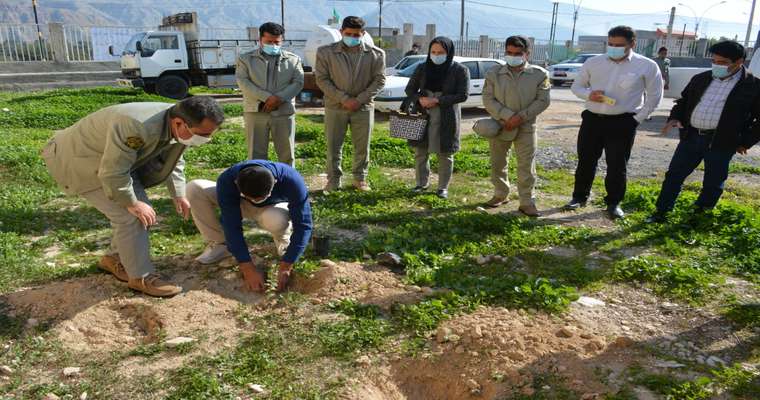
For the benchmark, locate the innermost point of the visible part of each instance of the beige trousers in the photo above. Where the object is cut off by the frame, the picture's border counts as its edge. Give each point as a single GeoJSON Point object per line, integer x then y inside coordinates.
{"type": "Point", "coordinates": [525, 144]}
{"type": "Point", "coordinates": [274, 219]}
{"type": "Point", "coordinates": [260, 126]}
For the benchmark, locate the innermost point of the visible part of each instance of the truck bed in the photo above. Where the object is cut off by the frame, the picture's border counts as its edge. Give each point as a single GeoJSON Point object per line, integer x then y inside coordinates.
{"type": "Point", "coordinates": [217, 54]}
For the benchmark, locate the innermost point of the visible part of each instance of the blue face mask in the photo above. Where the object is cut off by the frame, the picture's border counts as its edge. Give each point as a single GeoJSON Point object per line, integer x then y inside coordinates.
{"type": "Point", "coordinates": [720, 71]}
{"type": "Point", "coordinates": [615, 53]}
{"type": "Point", "coordinates": [438, 59]}
{"type": "Point", "coordinates": [271, 49]}
{"type": "Point", "coordinates": [351, 41]}
{"type": "Point", "coordinates": [514, 61]}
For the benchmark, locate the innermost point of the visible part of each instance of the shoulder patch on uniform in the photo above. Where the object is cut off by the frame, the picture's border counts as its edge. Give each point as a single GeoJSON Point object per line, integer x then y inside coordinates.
{"type": "Point", "coordinates": [134, 142]}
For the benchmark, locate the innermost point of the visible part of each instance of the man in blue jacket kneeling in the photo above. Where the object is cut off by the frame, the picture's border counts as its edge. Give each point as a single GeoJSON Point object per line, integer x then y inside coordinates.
{"type": "Point", "coordinates": [272, 194]}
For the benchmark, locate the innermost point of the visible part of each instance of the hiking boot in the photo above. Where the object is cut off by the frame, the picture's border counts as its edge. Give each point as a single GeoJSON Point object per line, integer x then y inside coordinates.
{"type": "Point", "coordinates": [113, 265]}
{"type": "Point", "coordinates": [214, 253]}
{"type": "Point", "coordinates": [154, 285]}
{"type": "Point", "coordinates": [442, 193]}
{"type": "Point", "coordinates": [615, 212]}
{"type": "Point", "coordinates": [419, 189]}
{"type": "Point", "coordinates": [496, 201]}
{"type": "Point", "coordinates": [362, 186]}
{"type": "Point", "coordinates": [529, 210]}
{"type": "Point", "coordinates": [331, 186]}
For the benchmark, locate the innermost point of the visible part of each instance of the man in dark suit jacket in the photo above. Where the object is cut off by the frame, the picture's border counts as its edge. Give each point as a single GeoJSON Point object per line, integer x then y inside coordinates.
{"type": "Point", "coordinates": [718, 115]}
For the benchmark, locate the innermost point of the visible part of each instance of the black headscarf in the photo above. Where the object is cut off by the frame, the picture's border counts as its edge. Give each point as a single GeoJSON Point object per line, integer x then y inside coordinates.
{"type": "Point", "coordinates": [435, 75]}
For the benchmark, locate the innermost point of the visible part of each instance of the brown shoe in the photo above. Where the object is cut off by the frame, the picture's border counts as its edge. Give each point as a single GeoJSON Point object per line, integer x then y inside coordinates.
{"type": "Point", "coordinates": [153, 285]}
{"type": "Point", "coordinates": [362, 186]}
{"type": "Point", "coordinates": [331, 186]}
{"type": "Point", "coordinates": [496, 201]}
{"type": "Point", "coordinates": [113, 265]}
{"type": "Point", "coordinates": [529, 210]}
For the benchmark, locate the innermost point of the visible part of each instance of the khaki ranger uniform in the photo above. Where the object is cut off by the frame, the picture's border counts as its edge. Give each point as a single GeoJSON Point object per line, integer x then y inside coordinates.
{"type": "Point", "coordinates": [343, 73]}
{"type": "Point", "coordinates": [505, 94]}
{"type": "Point", "coordinates": [259, 76]}
{"type": "Point", "coordinates": [109, 157]}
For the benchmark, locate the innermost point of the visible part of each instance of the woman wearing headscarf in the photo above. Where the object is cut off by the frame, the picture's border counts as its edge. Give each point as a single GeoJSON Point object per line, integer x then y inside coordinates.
{"type": "Point", "coordinates": [438, 86]}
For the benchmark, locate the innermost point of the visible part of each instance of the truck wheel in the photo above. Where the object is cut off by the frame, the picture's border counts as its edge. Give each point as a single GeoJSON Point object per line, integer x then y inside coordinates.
{"type": "Point", "coordinates": [150, 88]}
{"type": "Point", "coordinates": [557, 83]}
{"type": "Point", "coordinates": [172, 86]}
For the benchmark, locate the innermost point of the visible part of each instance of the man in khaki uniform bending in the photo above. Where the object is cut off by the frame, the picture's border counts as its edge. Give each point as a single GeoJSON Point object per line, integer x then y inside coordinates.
{"type": "Point", "coordinates": [350, 73]}
{"type": "Point", "coordinates": [112, 155]}
{"type": "Point", "coordinates": [515, 94]}
{"type": "Point", "coordinates": [270, 79]}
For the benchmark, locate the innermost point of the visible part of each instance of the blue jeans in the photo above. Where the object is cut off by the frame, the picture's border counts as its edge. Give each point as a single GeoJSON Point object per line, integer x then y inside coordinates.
{"type": "Point", "coordinates": [689, 153]}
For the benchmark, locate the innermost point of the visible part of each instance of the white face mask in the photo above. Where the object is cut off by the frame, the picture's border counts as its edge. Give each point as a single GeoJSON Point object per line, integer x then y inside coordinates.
{"type": "Point", "coordinates": [195, 140]}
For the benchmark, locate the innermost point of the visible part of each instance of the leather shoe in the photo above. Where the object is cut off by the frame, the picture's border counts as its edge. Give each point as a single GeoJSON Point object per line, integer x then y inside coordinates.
{"type": "Point", "coordinates": [575, 204]}
{"type": "Point", "coordinates": [615, 212]}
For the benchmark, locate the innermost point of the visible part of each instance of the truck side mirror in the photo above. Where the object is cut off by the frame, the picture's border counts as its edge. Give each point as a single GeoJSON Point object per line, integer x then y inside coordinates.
{"type": "Point", "coordinates": [110, 50]}
{"type": "Point", "coordinates": [138, 46]}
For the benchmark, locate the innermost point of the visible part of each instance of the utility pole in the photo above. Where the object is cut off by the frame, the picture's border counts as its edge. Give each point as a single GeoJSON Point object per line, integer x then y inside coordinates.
{"type": "Point", "coordinates": [37, 24]}
{"type": "Point", "coordinates": [683, 39]}
{"type": "Point", "coordinates": [575, 19]}
{"type": "Point", "coordinates": [461, 24]}
{"type": "Point", "coordinates": [282, 13]}
{"type": "Point", "coordinates": [380, 23]}
{"type": "Point", "coordinates": [749, 25]}
{"type": "Point", "coordinates": [553, 31]}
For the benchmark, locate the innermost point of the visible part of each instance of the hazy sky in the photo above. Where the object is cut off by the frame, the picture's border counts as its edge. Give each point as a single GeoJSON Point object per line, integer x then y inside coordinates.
{"type": "Point", "coordinates": [732, 10]}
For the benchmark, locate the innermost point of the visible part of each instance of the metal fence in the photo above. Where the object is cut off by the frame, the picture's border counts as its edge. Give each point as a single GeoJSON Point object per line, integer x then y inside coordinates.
{"type": "Point", "coordinates": [90, 43]}
{"type": "Point", "coordinates": [24, 42]}
{"type": "Point", "coordinates": [542, 52]}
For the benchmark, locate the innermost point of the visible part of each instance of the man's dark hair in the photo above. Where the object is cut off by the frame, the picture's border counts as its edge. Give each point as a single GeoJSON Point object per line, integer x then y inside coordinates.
{"type": "Point", "coordinates": [729, 49]}
{"type": "Point", "coordinates": [623, 31]}
{"type": "Point", "coordinates": [662, 49]}
{"type": "Point", "coordinates": [271, 28]}
{"type": "Point", "coordinates": [352, 22]}
{"type": "Point", "coordinates": [417, 45]}
{"type": "Point", "coordinates": [193, 110]}
{"type": "Point", "coordinates": [255, 181]}
{"type": "Point", "coordinates": [518, 41]}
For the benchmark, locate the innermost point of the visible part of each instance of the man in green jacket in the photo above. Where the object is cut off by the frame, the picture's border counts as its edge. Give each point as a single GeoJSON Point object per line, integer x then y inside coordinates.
{"type": "Point", "coordinates": [112, 155]}
{"type": "Point", "coordinates": [270, 79]}
{"type": "Point", "coordinates": [515, 94]}
{"type": "Point", "coordinates": [351, 73]}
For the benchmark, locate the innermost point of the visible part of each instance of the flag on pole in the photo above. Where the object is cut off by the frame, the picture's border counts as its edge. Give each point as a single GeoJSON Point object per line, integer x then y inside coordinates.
{"type": "Point", "coordinates": [336, 15]}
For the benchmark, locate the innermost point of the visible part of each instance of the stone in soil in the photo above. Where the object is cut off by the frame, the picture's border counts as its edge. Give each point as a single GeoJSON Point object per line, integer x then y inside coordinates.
{"type": "Point", "coordinates": [590, 302]}
{"type": "Point", "coordinates": [566, 332]}
{"type": "Point", "coordinates": [390, 260]}
{"type": "Point", "coordinates": [70, 372]}
{"type": "Point", "coordinates": [473, 385]}
{"type": "Point", "coordinates": [256, 388]}
{"type": "Point", "coordinates": [6, 370]}
{"type": "Point", "coordinates": [178, 341]}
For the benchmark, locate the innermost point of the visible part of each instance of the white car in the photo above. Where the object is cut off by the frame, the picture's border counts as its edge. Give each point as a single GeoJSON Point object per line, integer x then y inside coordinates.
{"type": "Point", "coordinates": [393, 94]}
{"type": "Point", "coordinates": [404, 63]}
{"type": "Point", "coordinates": [566, 71]}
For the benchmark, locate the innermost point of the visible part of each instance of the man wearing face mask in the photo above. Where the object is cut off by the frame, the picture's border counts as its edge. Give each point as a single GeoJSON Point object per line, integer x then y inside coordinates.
{"type": "Point", "coordinates": [270, 79]}
{"type": "Point", "coordinates": [621, 89]}
{"type": "Point", "coordinates": [111, 156]}
{"type": "Point", "coordinates": [718, 115]}
{"type": "Point", "coordinates": [272, 194]}
{"type": "Point", "coordinates": [350, 73]}
{"type": "Point", "coordinates": [515, 94]}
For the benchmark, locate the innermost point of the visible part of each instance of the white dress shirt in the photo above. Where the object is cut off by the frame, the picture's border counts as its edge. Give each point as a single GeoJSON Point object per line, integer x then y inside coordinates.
{"type": "Point", "coordinates": [635, 83]}
{"type": "Point", "coordinates": [706, 114]}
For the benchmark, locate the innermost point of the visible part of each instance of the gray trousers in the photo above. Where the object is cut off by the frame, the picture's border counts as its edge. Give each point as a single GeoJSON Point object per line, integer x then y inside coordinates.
{"type": "Point", "coordinates": [337, 123]}
{"type": "Point", "coordinates": [259, 126]}
{"type": "Point", "coordinates": [525, 144]}
{"type": "Point", "coordinates": [129, 237]}
{"type": "Point", "coordinates": [422, 167]}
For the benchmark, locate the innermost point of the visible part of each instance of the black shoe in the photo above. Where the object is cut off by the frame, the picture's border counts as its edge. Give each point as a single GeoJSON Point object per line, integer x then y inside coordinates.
{"type": "Point", "coordinates": [615, 212]}
{"type": "Point", "coordinates": [574, 204]}
{"type": "Point", "coordinates": [419, 189]}
{"type": "Point", "coordinates": [658, 217]}
{"type": "Point", "coordinates": [442, 193]}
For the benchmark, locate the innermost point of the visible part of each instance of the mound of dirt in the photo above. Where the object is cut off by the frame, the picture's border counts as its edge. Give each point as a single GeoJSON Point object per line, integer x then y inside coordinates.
{"type": "Point", "coordinates": [495, 352]}
{"type": "Point", "coordinates": [367, 284]}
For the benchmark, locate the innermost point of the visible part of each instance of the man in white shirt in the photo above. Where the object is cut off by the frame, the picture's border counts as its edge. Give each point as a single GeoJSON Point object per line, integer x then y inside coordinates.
{"type": "Point", "coordinates": [621, 89]}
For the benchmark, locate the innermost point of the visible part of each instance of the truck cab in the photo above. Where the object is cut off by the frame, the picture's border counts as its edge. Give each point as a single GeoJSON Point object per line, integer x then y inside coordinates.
{"type": "Point", "coordinates": [158, 62]}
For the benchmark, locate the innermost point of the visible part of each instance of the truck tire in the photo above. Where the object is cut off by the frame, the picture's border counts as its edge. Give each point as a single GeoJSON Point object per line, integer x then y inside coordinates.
{"type": "Point", "coordinates": [172, 86]}
{"type": "Point", "coordinates": [150, 88]}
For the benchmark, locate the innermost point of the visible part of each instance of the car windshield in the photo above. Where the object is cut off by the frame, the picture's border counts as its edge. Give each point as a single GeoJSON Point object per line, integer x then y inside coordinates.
{"type": "Point", "coordinates": [409, 60]}
{"type": "Point", "coordinates": [408, 71]}
{"type": "Point", "coordinates": [131, 47]}
{"type": "Point", "coordinates": [577, 60]}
